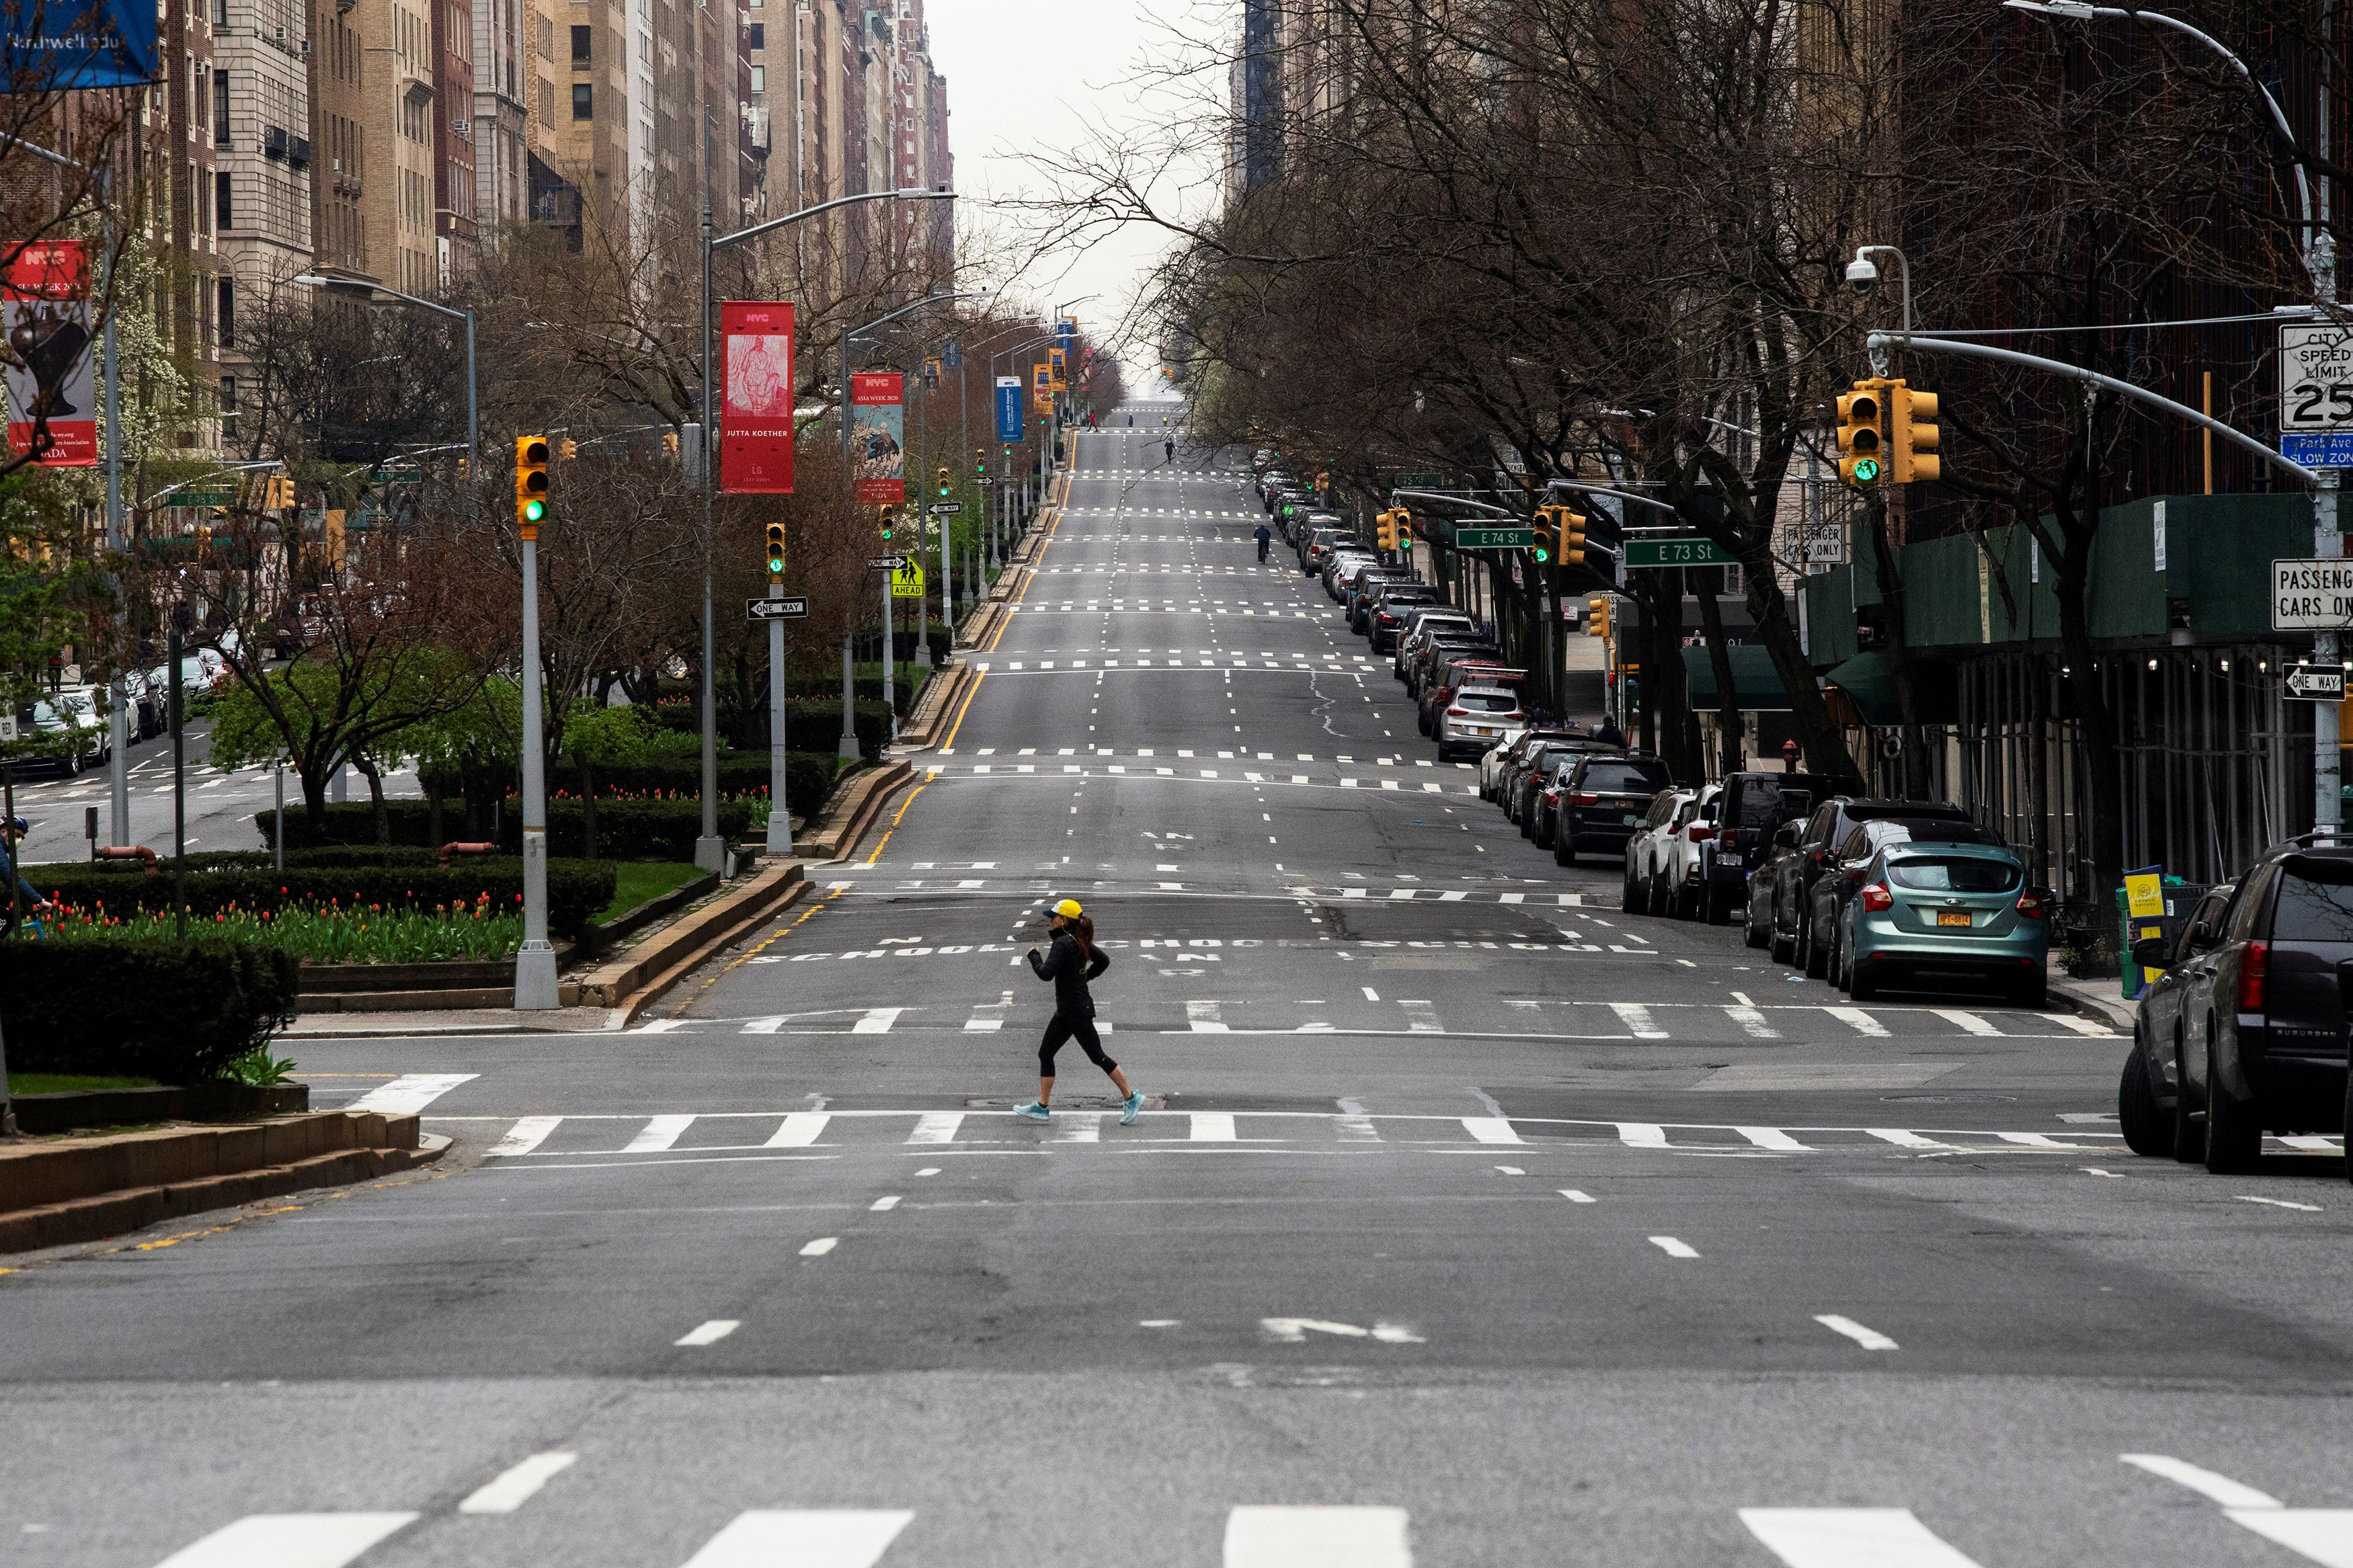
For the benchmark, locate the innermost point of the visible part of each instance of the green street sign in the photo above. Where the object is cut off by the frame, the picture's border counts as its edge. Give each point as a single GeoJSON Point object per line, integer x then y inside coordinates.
{"type": "Point", "coordinates": [1676, 552]}
{"type": "Point", "coordinates": [201, 497]}
{"type": "Point", "coordinates": [1495, 537]}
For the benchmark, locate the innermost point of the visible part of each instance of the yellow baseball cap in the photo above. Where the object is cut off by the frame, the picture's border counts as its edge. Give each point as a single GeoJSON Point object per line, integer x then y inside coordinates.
{"type": "Point", "coordinates": [1069, 908]}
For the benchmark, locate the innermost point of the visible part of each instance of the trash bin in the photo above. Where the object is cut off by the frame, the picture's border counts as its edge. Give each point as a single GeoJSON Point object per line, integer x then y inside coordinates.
{"type": "Point", "coordinates": [2179, 899]}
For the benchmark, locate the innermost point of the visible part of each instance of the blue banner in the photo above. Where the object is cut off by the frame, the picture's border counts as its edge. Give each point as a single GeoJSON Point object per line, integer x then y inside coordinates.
{"type": "Point", "coordinates": [1009, 408]}
{"type": "Point", "coordinates": [1066, 333]}
{"type": "Point", "coordinates": [51, 45]}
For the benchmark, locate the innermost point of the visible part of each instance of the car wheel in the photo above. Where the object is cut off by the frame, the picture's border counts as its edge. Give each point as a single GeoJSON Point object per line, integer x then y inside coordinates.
{"type": "Point", "coordinates": [1658, 895]}
{"type": "Point", "coordinates": [2031, 992]}
{"type": "Point", "coordinates": [1751, 934]}
{"type": "Point", "coordinates": [1840, 976]}
{"type": "Point", "coordinates": [1713, 910]}
{"type": "Point", "coordinates": [2143, 1123]}
{"type": "Point", "coordinates": [1564, 849]}
{"type": "Point", "coordinates": [1541, 833]}
{"type": "Point", "coordinates": [1527, 820]}
{"type": "Point", "coordinates": [2188, 1128]}
{"type": "Point", "coordinates": [1816, 961]}
{"type": "Point", "coordinates": [1685, 900]}
{"type": "Point", "coordinates": [1630, 900]}
{"type": "Point", "coordinates": [73, 765]}
{"type": "Point", "coordinates": [2234, 1137]}
{"type": "Point", "coordinates": [1862, 984]}
{"type": "Point", "coordinates": [1784, 948]}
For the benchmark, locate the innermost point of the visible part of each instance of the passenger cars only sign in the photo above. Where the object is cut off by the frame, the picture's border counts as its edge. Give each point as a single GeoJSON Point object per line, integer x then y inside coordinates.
{"type": "Point", "coordinates": [2312, 595]}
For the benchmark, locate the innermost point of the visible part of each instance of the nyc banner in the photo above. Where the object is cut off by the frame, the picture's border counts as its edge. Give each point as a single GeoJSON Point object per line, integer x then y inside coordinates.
{"type": "Point", "coordinates": [50, 373]}
{"type": "Point", "coordinates": [755, 404]}
{"type": "Point", "coordinates": [1009, 408]}
{"type": "Point", "coordinates": [878, 437]}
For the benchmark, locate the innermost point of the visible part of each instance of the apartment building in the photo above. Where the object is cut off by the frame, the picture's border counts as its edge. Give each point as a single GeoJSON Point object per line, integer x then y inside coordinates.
{"type": "Point", "coordinates": [261, 179]}
{"type": "Point", "coordinates": [396, 203]}
{"type": "Point", "coordinates": [339, 148]}
{"type": "Point", "coordinates": [504, 49]}
{"type": "Point", "coordinates": [452, 59]}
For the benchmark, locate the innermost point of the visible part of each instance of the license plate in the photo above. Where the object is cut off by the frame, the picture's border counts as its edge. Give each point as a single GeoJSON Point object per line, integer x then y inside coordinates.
{"type": "Point", "coordinates": [1484, 731]}
{"type": "Point", "coordinates": [1952, 917]}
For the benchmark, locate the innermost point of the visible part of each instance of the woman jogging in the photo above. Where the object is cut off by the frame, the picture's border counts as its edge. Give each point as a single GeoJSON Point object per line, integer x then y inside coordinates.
{"type": "Point", "coordinates": [1073, 961]}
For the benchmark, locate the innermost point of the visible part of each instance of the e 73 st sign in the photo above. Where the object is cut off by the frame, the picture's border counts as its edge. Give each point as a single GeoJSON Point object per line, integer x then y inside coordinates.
{"type": "Point", "coordinates": [2312, 595]}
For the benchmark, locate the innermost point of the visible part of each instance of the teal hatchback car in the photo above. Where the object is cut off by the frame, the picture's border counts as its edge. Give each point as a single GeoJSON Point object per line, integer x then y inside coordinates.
{"type": "Point", "coordinates": [1931, 913]}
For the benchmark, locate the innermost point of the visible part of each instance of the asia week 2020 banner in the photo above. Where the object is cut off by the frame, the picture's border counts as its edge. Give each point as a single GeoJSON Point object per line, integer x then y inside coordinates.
{"type": "Point", "coordinates": [878, 437]}
{"type": "Point", "coordinates": [755, 408]}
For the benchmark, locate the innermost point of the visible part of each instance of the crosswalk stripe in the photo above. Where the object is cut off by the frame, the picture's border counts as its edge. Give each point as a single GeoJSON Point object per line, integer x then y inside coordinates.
{"type": "Point", "coordinates": [1078, 1126]}
{"type": "Point", "coordinates": [1357, 1129]}
{"type": "Point", "coordinates": [1421, 1018]}
{"type": "Point", "coordinates": [2325, 1535]}
{"type": "Point", "coordinates": [1642, 1135]}
{"type": "Point", "coordinates": [1860, 1022]}
{"type": "Point", "coordinates": [1490, 1128]}
{"type": "Point", "coordinates": [526, 1135]}
{"type": "Point", "coordinates": [1752, 1022]}
{"type": "Point", "coordinates": [1969, 1022]}
{"type": "Point", "coordinates": [1901, 1138]}
{"type": "Point", "coordinates": [800, 1130]}
{"type": "Point", "coordinates": [1851, 1538]}
{"type": "Point", "coordinates": [877, 1021]}
{"type": "Point", "coordinates": [1637, 1018]}
{"type": "Point", "coordinates": [1770, 1138]}
{"type": "Point", "coordinates": [517, 1485]}
{"type": "Point", "coordinates": [764, 1026]}
{"type": "Point", "coordinates": [2206, 1483]}
{"type": "Point", "coordinates": [403, 1096]}
{"type": "Point", "coordinates": [803, 1537]}
{"type": "Point", "coordinates": [658, 1133]}
{"type": "Point", "coordinates": [2034, 1139]}
{"type": "Point", "coordinates": [289, 1541]}
{"type": "Point", "coordinates": [2317, 1143]}
{"type": "Point", "coordinates": [1212, 1127]}
{"type": "Point", "coordinates": [1260, 1536]}
{"type": "Point", "coordinates": [1205, 1018]}
{"type": "Point", "coordinates": [937, 1126]}
{"type": "Point", "coordinates": [2081, 1026]}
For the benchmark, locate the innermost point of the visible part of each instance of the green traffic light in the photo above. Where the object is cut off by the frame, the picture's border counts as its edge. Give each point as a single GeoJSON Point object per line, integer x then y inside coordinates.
{"type": "Point", "coordinates": [533, 511]}
{"type": "Point", "coordinates": [1543, 555]}
{"type": "Point", "coordinates": [1866, 471]}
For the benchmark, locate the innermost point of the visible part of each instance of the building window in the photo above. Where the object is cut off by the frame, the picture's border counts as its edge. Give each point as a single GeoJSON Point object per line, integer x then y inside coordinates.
{"type": "Point", "coordinates": [220, 13]}
{"type": "Point", "coordinates": [204, 205]}
{"type": "Point", "coordinates": [226, 313]}
{"type": "Point", "coordinates": [228, 398]}
{"type": "Point", "coordinates": [759, 81]}
{"type": "Point", "coordinates": [583, 45]}
{"type": "Point", "coordinates": [759, 34]}
{"type": "Point", "coordinates": [224, 202]}
{"type": "Point", "coordinates": [220, 109]}
{"type": "Point", "coordinates": [584, 101]}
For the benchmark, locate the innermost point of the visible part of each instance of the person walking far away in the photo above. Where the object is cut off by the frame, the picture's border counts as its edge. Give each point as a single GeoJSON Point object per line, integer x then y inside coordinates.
{"type": "Point", "coordinates": [1169, 447]}
{"type": "Point", "coordinates": [1073, 961]}
{"type": "Point", "coordinates": [1265, 536]}
{"type": "Point", "coordinates": [1610, 734]}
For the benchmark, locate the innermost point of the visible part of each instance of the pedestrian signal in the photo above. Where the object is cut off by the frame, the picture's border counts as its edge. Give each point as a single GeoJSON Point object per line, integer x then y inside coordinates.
{"type": "Point", "coordinates": [570, 448]}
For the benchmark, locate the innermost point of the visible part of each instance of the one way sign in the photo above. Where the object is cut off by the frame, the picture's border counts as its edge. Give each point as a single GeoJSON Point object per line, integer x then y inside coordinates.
{"type": "Point", "coordinates": [756, 610]}
{"type": "Point", "coordinates": [2316, 682]}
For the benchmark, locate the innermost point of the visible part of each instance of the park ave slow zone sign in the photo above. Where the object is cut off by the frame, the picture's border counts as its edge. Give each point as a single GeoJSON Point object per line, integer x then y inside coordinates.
{"type": "Point", "coordinates": [2312, 595]}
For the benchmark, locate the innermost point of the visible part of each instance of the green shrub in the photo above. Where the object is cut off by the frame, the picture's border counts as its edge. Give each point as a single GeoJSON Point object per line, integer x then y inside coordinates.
{"type": "Point", "coordinates": [625, 829]}
{"type": "Point", "coordinates": [177, 1012]}
{"type": "Point", "coordinates": [808, 778]}
{"type": "Point", "coordinates": [814, 724]}
{"type": "Point", "coordinates": [576, 890]}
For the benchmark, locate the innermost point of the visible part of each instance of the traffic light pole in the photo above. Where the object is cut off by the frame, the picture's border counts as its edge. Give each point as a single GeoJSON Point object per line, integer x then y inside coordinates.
{"type": "Point", "coordinates": [780, 816]}
{"type": "Point", "coordinates": [534, 978]}
{"type": "Point", "coordinates": [922, 524]}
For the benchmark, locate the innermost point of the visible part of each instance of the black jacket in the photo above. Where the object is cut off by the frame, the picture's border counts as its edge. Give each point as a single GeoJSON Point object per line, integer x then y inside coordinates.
{"type": "Point", "coordinates": [1067, 966]}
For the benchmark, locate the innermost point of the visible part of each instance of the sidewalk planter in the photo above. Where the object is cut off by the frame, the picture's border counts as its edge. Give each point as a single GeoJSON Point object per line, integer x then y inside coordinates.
{"type": "Point", "coordinates": [39, 1113]}
{"type": "Point", "coordinates": [177, 1012]}
{"type": "Point", "coordinates": [576, 890]}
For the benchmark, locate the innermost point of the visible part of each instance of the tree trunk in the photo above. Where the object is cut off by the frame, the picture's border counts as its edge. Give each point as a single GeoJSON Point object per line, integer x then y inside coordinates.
{"type": "Point", "coordinates": [1728, 730]}
{"type": "Point", "coordinates": [1776, 629]}
{"type": "Point", "coordinates": [377, 812]}
{"type": "Point", "coordinates": [587, 809]}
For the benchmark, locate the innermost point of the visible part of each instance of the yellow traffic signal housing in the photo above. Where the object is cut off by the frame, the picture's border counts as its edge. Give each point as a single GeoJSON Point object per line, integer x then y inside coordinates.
{"type": "Point", "coordinates": [1572, 537]}
{"type": "Point", "coordinates": [1596, 616]}
{"type": "Point", "coordinates": [531, 483]}
{"type": "Point", "coordinates": [670, 443]}
{"type": "Point", "coordinates": [943, 484]}
{"type": "Point", "coordinates": [1911, 435]}
{"type": "Point", "coordinates": [570, 448]}
{"type": "Point", "coordinates": [775, 549]}
{"type": "Point", "coordinates": [1863, 455]}
{"type": "Point", "coordinates": [889, 520]}
{"type": "Point", "coordinates": [1547, 531]}
{"type": "Point", "coordinates": [1385, 529]}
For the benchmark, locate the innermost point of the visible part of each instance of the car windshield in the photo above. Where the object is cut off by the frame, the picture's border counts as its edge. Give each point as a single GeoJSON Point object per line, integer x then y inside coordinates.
{"type": "Point", "coordinates": [1486, 701]}
{"type": "Point", "coordinates": [1647, 777]}
{"type": "Point", "coordinates": [2307, 911]}
{"type": "Point", "coordinates": [44, 714]}
{"type": "Point", "coordinates": [1764, 804]}
{"type": "Point", "coordinates": [1940, 874]}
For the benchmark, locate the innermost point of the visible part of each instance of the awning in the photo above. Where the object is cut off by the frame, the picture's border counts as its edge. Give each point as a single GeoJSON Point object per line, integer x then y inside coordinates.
{"type": "Point", "coordinates": [1755, 681]}
{"type": "Point", "coordinates": [1869, 682]}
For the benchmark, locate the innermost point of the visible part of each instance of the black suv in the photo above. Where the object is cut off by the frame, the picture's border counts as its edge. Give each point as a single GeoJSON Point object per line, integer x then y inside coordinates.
{"type": "Point", "coordinates": [1752, 806]}
{"type": "Point", "coordinates": [2263, 1048]}
{"type": "Point", "coordinates": [1602, 799]}
{"type": "Point", "coordinates": [1795, 939]}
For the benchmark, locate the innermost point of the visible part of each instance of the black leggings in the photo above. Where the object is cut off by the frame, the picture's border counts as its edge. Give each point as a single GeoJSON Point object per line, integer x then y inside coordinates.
{"type": "Point", "coordinates": [1062, 1030]}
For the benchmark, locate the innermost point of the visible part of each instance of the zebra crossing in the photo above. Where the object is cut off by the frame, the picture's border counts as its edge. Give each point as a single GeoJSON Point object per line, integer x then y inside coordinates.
{"type": "Point", "coordinates": [1328, 663]}
{"type": "Point", "coordinates": [522, 1143]}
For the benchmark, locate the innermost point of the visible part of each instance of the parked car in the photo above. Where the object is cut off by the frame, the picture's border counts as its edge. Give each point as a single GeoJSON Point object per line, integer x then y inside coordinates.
{"type": "Point", "coordinates": [1934, 907]}
{"type": "Point", "coordinates": [1435, 654]}
{"type": "Point", "coordinates": [1794, 875]}
{"type": "Point", "coordinates": [1371, 585]}
{"type": "Point", "coordinates": [89, 707]}
{"type": "Point", "coordinates": [1499, 763]}
{"type": "Point", "coordinates": [1321, 543]}
{"type": "Point", "coordinates": [1420, 625]}
{"type": "Point", "coordinates": [1473, 717]}
{"type": "Point", "coordinates": [2148, 1105]}
{"type": "Point", "coordinates": [53, 737]}
{"type": "Point", "coordinates": [1341, 564]}
{"type": "Point", "coordinates": [1517, 787]}
{"type": "Point", "coordinates": [2263, 1049]}
{"type": "Point", "coordinates": [1601, 801]}
{"type": "Point", "coordinates": [1648, 887]}
{"type": "Point", "coordinates": [1754, 804]}
{"type": "Point", "coordinates": [1455, 669]}
{"type": "Point", "coordinates": [1849, 869]}
{"type": "Point", "coordinates": [1395, 614]}
{"type": "Point", "coordinates": [1686, 849]}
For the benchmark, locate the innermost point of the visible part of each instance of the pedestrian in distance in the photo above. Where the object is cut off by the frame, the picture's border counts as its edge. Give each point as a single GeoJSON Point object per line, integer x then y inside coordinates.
{"type": "Point", "coordinates": [1170, 449]}
{"type": "Point", "coordinates": [1610, 734]}
{"type": "Point", "coordinates": [1265, 538]}
{"type": "Point", "coordinates": [1069, 965]}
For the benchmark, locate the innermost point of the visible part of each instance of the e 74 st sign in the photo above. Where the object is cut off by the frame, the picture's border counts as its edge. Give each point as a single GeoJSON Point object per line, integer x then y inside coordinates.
{"type": "Point", "coordinates": [2312, 595]}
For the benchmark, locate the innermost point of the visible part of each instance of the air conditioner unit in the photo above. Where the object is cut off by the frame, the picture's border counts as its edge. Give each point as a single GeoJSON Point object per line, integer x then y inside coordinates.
{"type": "Point", "coordinates": [306, 49]}
{"type": "Point", "coordinates": [273, 141]}
{"type": "Point", "coordinates": [300, 156]}
{"type": "Point", "coordinates": [461, 128]}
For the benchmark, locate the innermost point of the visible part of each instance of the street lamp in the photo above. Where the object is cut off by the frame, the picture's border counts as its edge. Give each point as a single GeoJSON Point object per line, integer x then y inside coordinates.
{"type": "Point", "coordinates": [708, 851]}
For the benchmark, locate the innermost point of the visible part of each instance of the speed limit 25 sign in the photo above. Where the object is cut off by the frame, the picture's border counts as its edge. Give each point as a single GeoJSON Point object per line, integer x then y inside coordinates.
{"type": "Point", "coordinates": [2315, 369]}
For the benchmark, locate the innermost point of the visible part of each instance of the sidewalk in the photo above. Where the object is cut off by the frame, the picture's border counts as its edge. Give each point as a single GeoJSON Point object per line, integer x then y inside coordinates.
{"type": "Point", "coordinates": [2098, 999]}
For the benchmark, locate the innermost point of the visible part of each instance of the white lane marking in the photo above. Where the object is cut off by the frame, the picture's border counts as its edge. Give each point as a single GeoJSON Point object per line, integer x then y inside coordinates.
{"type": "Point", "coordinates": [1860, 1021]}
{"type": "Point", "coordinates": [1511, 1169]}
{"type": "Point", "coordinates": [2037, 1140]}
{"type": "Point", "coordinates": [1264, 1536]}
{"type": "Point", "coordinates": [1769, 1138]}
{"type": "Point", "coordinates": [1205, 1018]}
{"type": "Point", "coordinates": [2278, 1203]}
{"type": "Point", "coordinates": [1355, 1129]}
{"type": "Point", "coordinates": [1752, 1021]}
{"type": "Point", "coordinates": [798, 1131]}
{"type": "Point", "coordinates": [2318, 1144]}
{"type": "Point", "coordinates": [659, 1026]}
{"type": "Point", "coordinates": [1421, 1018]}
{"type": "Point", "coordinates": [289, 1541]}
{"type": "Point", "coordinates": [1851, 1538]}
{"type": "Point", "coordinates": [1212, 1127]}
{"type": "Point", "coordinates": [1968, 1022]}
{"type": "Point", "coordinates": [708, 1333]}
{"type": "Point", "coordinates": [1642, 1134]}
{"type": "Point", "coordinates": [821, 1247]}
{"type": "Point", "coordinates": [1901, 1138]}
{"type": "Point", "coordinates": [883, 1206]}
{"type": "Point", "coordinates": [1371, 994]}
{"type": "Point", "coordinates": [1869, 1339]}
{"type": "Point", "coordinates": [1078, 1127]}
{"type": "Point", "coordinates": [2206, 1483]}
{"type": "Point", "coordinates": [1637, 1018]}
{"type": "Point", "coordinates": [658, 1133]}
{"type": "Point", "coordinates": [2081, 1026]}
{"type": "Point", "coordinates": [403, 1096]}
{"type": "Point", "coordinates": [2322, 1534]}
{"type": "Point", "coordinates": [764, 1026]}
{"type": "Point", "coordinates": [526, 1135]}
{"type": "Point", "coordinates": [803, 1537]}
{"type": "Point", "coordinates": [1573, 1196]}
{"type": "Point", "coordinates": [937, 1126]}
{"type": "Point", "coordinates": [1673, 1247]}
{"type": "Point", "coordinates": [517, 1485]}
{"type": "Point", "coordinates": [877, 1021]}
{"type": "Point", "coordinates": [1490, 1128]}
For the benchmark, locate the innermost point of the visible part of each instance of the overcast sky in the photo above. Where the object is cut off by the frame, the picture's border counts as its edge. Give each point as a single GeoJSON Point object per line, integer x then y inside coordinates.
{"type": "Point", "coordinates": [1034, 77]}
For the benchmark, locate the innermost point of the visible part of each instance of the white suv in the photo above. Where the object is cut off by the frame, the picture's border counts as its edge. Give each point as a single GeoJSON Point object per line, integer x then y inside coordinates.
{"type": "Point", "coordinates": [1648, 870]}
{"type": "Point", "coordinates": [1477, 720]}
{"type": "Point", "coordinates": [1685, 865]}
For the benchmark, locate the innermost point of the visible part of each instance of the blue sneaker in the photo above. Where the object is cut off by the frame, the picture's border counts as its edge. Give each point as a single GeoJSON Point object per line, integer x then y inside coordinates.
{"type": "Point", "coordinates": [1127, 1112]}
{"type": "Point", "coordinates": [1034, 1112]}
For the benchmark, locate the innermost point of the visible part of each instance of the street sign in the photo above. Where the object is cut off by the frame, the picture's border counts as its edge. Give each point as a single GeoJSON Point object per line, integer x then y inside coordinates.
{"type": "Point", "coordinates": [945, 509]}
{"type": "Point", "coordinates": [907, 582]}
{"type": "Point", "coordinates": [2318, 448]}
{"type": "Point", "coordinates": [2315, 372]}
{"type": "Point", "coordinates": [2316, 682]}
{"type": "Point", "coordinates": [2312, 595]}
{"type": "Point", "coordinates": [985, 480]}
{"type": "Point", "coordinates": [1495, 537]}
{"type": "Point", "coordinates": [885, 562]}
{"type": "Point", "coordinates": [201, 497]}
{"type": "Point", "coordinates": [1676, 552]}
{"type": "Point", "coordinates": [756, 610]}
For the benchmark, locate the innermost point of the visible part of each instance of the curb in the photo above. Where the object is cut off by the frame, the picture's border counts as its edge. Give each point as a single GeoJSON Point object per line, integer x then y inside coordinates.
{"type": "Point", "coordinates": [627, 1010]}
{"type": "Point", "coordinates": [931, 710]}
{"type": "Point", "coordinates": [861, 802]}
{"type": "Point", "coordinates": [626, 983]}
{"type": "Point", "coordinates": [2113, 1011]}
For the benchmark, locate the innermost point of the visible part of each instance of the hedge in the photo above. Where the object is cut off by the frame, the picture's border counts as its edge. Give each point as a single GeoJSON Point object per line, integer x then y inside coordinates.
{"type": "Point", "coordinates": [808, 778]}
{"type": "Point", "coordinates": [177, 1012]}
{"type": "Point", "coordinates": [577, 890]}
{"type": "Point", "coordinates": [625, 829]}
{"type": "Point", "coordinates": [814, 724]}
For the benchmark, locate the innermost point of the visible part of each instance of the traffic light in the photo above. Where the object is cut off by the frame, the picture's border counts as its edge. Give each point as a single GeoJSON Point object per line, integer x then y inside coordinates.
{"type": "Point", "coordinates": [943, 484]}
{"type": "Point", "coordinates": [1861, 452]}
{"type": "Point", "coordinates": [1572, 537]}
{"type": "Point", "coordinates": [980, 462]}
{"type": "Point", "coordinates": [570, 448]}
{"type": "Point", "coordinates": [670, 443]}
{"type": "Point", "coordinates": [888, 520]}
{"type": "Point", "coordinates": [1546, 532]}
{"type": "Point", "coordinates": [1385, 529]}
{"type": "Point", "coordinates": [277, 493]}
{"type": "Point", "coordinates": [1911, 435]}
{"type": "Point", "coordinates": [775, 549]}
{"type": "Point", "coordinates": [1596, 616]}
{"type": "Point", "coordinates": [531, 483]}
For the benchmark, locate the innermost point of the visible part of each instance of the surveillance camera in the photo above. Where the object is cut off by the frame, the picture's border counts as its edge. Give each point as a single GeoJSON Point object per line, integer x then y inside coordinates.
{"type": "Point", "coordinates": [1863, 274]}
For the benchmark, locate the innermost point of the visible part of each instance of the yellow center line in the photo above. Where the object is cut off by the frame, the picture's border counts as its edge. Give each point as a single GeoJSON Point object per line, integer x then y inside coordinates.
{"type": "Point", "coordinates": [896, 820]}
{"type": "Point", "coordinates": [772, 938]}
{"type": "Point", "coordinates": [972, 691]}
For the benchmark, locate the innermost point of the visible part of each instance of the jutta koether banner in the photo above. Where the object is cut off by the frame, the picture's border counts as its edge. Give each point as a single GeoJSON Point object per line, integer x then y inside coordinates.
{"type": "Point", "coordinates": [51, 379]}
{"type": "Point", "coordinates": [878, 437]}
{"type": "Point", "coordinates": [755, 407]}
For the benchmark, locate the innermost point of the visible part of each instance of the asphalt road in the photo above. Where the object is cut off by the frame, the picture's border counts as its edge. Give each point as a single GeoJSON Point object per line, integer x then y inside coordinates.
{"type": "Point", "coordinates": [1470, 1220]}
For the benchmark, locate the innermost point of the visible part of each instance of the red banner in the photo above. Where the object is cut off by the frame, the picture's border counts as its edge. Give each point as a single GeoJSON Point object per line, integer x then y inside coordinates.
{"type": "Point", "coordinates": [878, 442]}
{"type": "Point", "coordinates": [50, 371]}
{"type": "Point", "coordinates": [755, 400]}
